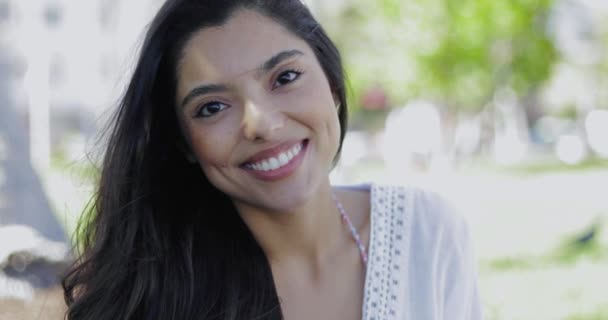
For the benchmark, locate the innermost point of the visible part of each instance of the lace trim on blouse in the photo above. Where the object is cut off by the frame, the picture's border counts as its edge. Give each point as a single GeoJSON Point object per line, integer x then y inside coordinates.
{"type": "Point", "coordinates": [384, 288]}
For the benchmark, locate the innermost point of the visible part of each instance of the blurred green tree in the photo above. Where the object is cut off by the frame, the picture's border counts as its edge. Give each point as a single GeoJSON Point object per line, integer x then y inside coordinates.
{"type": "Point", "coordinates": [455, 52]}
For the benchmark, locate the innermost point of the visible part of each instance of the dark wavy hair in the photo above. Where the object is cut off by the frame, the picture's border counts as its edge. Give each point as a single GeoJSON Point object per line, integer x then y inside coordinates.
{"type": "Point", "coordinates": [159, 241]}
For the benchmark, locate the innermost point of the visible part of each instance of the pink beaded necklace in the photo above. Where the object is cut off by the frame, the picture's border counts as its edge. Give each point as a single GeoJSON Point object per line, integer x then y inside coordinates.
{"type": "Point", "coordinates": [353, 231]}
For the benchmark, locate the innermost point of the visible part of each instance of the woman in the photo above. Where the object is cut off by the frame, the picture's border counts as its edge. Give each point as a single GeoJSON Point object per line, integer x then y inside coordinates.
{"type": "Point", "coordinates": [214, 200]}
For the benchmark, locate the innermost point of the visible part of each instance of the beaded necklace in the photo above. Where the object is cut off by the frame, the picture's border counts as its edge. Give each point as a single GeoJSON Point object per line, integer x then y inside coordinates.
{"type": "Point", "coordinates": [353, 231]}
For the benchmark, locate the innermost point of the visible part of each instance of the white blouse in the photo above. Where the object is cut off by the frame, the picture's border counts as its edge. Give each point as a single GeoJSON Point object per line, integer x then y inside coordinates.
{"type": "Point", "coordinates": [420, 264]}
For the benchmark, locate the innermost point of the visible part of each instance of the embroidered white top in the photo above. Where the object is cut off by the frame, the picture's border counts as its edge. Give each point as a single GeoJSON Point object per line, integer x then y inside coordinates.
{"type": "Point", "coordinates": [421, 265]}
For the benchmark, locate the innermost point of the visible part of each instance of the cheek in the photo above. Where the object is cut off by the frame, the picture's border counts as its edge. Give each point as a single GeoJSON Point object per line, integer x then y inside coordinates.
{"type": "Point", "coordinates": [322, 113]}
{"type": "Point", "coordinates": [324, 121]}
{"type": "Point", "coordinates": [212, 156]}
{"type": "Point", "coordinates": [209, 148]}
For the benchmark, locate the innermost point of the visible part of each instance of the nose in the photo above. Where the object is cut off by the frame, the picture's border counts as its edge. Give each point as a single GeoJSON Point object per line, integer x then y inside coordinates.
{"type": "Point", "coordinates": [261, 122]}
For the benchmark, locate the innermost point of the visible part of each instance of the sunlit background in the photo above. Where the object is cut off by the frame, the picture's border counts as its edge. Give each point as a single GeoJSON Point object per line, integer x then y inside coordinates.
{"type": "Point", "coordinates": [499, 105]}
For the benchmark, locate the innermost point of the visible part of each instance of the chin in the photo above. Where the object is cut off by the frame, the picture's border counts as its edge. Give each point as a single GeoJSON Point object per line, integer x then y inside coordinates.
{"type": "Point", "coordinates": [284, 200]}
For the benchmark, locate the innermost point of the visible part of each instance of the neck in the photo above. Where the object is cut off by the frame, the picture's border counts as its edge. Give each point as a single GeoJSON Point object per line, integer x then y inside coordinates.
{"type": "Point", "coordinates": [311, 232]}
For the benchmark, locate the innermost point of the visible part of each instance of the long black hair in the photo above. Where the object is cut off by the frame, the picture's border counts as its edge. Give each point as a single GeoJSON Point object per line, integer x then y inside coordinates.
{"type": "Point", "coordinates": [159, 241]}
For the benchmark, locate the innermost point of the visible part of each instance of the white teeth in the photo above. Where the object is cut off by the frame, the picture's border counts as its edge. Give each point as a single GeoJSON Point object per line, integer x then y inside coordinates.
{"type": "Point", "coordinates": [283, 159]}
{"type": "Point", "coordinates": [274, 163]}
{"type": "Point", "coordinates": [278, 161]}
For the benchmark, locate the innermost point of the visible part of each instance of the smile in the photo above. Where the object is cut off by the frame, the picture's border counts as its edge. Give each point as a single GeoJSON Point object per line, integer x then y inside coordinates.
{"type": "Point", "coordinates": [277, 161]}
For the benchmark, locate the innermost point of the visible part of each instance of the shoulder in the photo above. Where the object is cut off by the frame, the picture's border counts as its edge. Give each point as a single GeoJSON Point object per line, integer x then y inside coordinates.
{"type": "Point", "coordinates": [427, 208]}
{"type": "Point", "coordinates": [432, 212]}
{"type": "Point", "coordinates": [425, 218]}
{"type": "Point", "coordinates": [421, 244]}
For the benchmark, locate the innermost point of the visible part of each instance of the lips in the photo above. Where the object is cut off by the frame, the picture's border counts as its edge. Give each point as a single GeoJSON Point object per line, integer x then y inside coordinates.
{"type": "Point", "coordinates": [275, 155]}
{"type": "Point", "coordinates": [276, 162]}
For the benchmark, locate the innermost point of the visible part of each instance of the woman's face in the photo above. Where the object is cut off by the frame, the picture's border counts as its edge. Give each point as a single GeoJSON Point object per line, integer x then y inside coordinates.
{"type": "Point", "coordinates": [258, 112]}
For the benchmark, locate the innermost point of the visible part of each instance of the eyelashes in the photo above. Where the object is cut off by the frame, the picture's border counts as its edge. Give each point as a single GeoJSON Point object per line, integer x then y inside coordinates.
{"type": "Point", "coordinates": [287, 77]}
{"type": "Point", "coordinates": [211, 108]}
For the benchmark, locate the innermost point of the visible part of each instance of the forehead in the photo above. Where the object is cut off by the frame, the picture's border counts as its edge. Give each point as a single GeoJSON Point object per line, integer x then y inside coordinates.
{"type": "Point", "coordinates": [240, 45]}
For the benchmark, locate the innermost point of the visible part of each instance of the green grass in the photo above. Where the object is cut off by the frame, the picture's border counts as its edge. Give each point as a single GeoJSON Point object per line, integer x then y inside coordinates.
{"type": "Point", "coordinates": [569, 252]}
{"type": "Point", "coordinates": [600, 314]}
{"type": "Point", "coordinates": [573, 252]}
{"type": "Point", "coordinates": [512, 263]}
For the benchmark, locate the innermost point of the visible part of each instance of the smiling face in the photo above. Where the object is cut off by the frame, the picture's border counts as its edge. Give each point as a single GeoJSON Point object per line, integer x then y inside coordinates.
{"type": "Point", "coordinates": [257, 111]}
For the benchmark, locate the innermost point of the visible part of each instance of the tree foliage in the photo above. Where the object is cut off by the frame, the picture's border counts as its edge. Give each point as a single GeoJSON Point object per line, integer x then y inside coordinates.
{"type": "Point", "coordinates": [456, 52]}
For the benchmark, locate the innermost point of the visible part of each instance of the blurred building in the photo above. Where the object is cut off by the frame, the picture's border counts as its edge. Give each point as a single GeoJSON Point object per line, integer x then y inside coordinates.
{"type": "Point", "coordinates": [72, 58]}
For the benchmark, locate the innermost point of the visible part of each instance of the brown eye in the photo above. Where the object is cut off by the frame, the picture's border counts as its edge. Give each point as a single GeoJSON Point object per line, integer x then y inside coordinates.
{"type": "Point", "coordinates": [286, 77]}
{"type": "Point", "coordinates": [210, 109]}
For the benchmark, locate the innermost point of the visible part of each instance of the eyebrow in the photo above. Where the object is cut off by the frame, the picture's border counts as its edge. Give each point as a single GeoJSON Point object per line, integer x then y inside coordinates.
{"type": "Point", "coordinates": [265, 67]}
{"type": "Point", "coordinates": [278, 58]}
